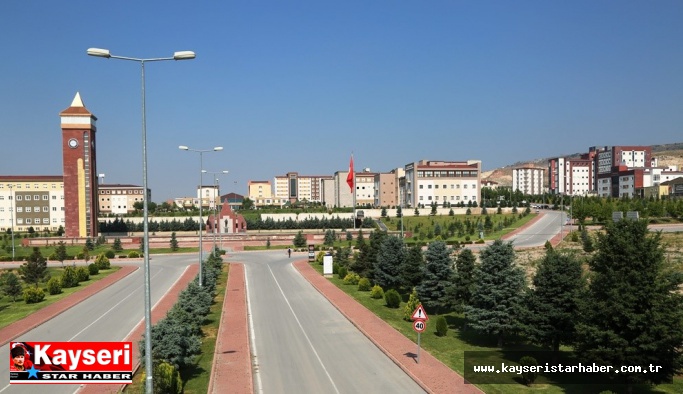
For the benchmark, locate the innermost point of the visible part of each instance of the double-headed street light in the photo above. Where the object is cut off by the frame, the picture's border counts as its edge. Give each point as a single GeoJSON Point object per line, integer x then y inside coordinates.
{"type": "Point", "coordinates": [201, 199]}
{"type": "Point", "coordinates": [182, 55]}
{"type": "Point", "coordinates": [216, 222]}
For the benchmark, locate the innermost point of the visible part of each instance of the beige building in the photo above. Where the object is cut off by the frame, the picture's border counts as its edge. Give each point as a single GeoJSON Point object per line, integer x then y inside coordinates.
{"type": "Point", "coordinates": [293, 187]}
{"type": "Point", "coordinates": [261, 193]}
{"type": "Point", "coordinates": [442, 183]}
{"type": "Point", "coordinates": [117, 199]}
{"type": "Point", "coordinates": [31, 201]}
{"type": "Point", "coordinates": [386, 188]}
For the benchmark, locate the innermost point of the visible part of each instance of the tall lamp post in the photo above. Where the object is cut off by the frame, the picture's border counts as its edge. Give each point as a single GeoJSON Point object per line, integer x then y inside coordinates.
{"type": "Point", "coordinates": [181, 55]}
{"type": "Point", "coordinates": [201, 199]}
{"type": "Point", "coordinates": [216, 223]}
{"type": "Point", "coordinates": [12, 215]}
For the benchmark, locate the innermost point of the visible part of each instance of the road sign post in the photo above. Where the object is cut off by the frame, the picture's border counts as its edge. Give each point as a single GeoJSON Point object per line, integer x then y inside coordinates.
{"type": "Point", "coordinates": [420, 318]}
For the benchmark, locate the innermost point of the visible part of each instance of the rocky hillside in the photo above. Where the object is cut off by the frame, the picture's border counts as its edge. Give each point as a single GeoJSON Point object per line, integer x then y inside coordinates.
{"type": "Point", "coordinates": [667, 155]}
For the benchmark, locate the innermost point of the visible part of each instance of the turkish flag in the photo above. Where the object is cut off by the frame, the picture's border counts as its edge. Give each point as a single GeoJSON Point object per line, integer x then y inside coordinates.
{"type": "Point", "coordinates": [350, 177]}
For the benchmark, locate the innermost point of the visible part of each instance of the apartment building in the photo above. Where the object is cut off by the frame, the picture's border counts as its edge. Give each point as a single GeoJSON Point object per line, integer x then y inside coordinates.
{"type": "Point", "coordinates": [442, 182]}
{"type": "Point", "coordinates": [293, 187]}
{"type": "Point", "coordinates": [528, 179]}
{"type": "Point", "coordinates": [261, 193]}
{"type": "Point", "coordinates": [31, 201]}
{"type": "Point", "coordinates": [386, 188]}
{"type": "Point", "coordinates": [119, 199]}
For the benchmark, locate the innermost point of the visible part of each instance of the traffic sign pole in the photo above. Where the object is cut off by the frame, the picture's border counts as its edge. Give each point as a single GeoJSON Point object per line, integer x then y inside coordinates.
{"type": "Point", "coordinates": [418, 347]}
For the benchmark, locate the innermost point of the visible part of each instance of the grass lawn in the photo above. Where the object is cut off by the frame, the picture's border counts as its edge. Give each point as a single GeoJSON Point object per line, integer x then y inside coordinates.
{"type": "Point", "coordinates": [450, 349]}
{"type": "Point", "coordinates": [13, 311]}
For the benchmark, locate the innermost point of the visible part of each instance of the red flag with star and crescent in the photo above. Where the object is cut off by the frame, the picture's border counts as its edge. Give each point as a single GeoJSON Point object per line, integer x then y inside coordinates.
{"type": "Point", "coordinates": [349, 178]}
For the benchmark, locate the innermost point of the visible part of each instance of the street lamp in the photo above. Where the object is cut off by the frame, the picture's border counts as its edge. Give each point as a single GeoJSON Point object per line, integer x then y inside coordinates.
{"type": "Point", "coordinates": [216, 222]}
{"type": "Point", "coordinates": [201, 180]}
{"type": "Point", "coordinates": [12, 215]}
{"type": "Point", "coordinates": [182, 55]}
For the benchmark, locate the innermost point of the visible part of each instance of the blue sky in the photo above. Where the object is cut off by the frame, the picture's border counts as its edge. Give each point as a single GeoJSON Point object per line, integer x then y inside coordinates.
{"type": "Point", "coordinates": [299, 85]}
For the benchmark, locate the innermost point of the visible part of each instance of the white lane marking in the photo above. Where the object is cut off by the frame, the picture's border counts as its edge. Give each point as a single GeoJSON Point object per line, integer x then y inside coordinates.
{"type": "Point", "coordinates": [254, 362]}
{"type": "Point", "coordinates": [336, 390]}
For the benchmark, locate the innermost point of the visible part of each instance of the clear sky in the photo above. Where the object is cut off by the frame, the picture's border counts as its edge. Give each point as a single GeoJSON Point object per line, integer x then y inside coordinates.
{"type": "Point", "coordinates": [300, 85]}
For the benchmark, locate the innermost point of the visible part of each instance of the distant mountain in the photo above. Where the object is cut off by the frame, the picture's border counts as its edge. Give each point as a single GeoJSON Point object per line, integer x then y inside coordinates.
{"type": "Point", "coordinates": [667, 155]}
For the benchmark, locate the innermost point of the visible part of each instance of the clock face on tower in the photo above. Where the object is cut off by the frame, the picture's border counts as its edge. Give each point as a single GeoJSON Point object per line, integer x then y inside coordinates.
{"type": "Point", "coordinates": [73, 143]}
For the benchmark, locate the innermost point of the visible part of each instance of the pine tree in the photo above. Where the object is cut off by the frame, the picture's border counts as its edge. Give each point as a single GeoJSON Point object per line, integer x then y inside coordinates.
{"type": "Point", "coordinates": [116, 247]}
{"type": "Point", "coordinates": [300, 240]}
{"type": "Point", "coordinates": [60, 252]}
{"type": "Point", "coordinates": [464, 277]}
{"type": "Point", "coordinates": [174, 242]}
{"type": "Point", "coordinates": [10, 284]}
{"type": "Point", "coordinates": [498, 290]}
{"type": "Point", "coordinates": [34, 269]}
{"type": "Point", "coordinates": [633, 314]}
{"type": "Point", "coordinates": [387, 272]}
{"type": "Point", "coordinates": [552, 305]}
{"type": "Point", "coordinates": [437, 277]}
{"type": "Point", "coordinates": [412, 268]}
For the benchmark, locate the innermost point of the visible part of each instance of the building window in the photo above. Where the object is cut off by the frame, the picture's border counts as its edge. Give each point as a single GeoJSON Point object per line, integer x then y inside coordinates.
{"type": "Point", "coordinates": [19, 198]}
{"type": "Point", "coordinates": [21, 209]}
{"type": "Point", "coordinates": [45, 209]}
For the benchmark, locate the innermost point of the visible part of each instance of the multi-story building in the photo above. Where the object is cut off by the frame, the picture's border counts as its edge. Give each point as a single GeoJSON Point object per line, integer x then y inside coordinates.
{"type": "Point", "coordinates": [386, 188]}
{"type": "Point", "coordinates": [528, 180]}
{"type": "Point", "coordinates": [442, 182]}
{"type": "Point", "coordinates": [31, 201]}
{"type": "Point", "coordinates": [293, 187]}
{"type": "Point", "coordinates": [118, 199]}
{"type": "Point", "coordinates": [261, 193]}
{"type": "Point", "coordinates": [619, 169]}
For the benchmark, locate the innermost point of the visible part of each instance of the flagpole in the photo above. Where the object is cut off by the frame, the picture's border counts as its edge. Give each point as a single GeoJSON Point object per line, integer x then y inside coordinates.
{"type": "Point", "coordinates": [354, 194]}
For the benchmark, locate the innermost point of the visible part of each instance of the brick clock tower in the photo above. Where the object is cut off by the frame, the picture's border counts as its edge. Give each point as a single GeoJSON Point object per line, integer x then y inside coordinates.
{"type": "Point", "coordinates": [80, 170]}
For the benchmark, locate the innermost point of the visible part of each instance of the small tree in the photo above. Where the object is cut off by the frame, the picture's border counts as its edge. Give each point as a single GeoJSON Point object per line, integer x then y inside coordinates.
{"type": "Point", "coordinates": [437, 277]}
{"type": "Point", "coordinates": [34, 270]}
{"type": "Point", "coordinates": [117, 245]}
{"type": "Point", "coordinates": [60, 252]}
{"type": "Point", "coordinates": [11, 286]}
{"type": "Point", "coordinates": [174, 242]}
{"type": "Point", "coordinates": [300, 240]}
{"type": "Point", "coordinates": [387, 270]}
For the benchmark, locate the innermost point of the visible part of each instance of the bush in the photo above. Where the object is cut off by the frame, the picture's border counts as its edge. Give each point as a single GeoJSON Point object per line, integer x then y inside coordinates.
{"type": "Point", "coordinates": [392, 298]}
{"type": "Point", "coordinates": [343, 271]}
{"type": "Point", "coordinates": [167, 379]}
{"type": "Point", "coordinates": [351, 279]}
{"type": "Point", "coordinates": [82, 274]}
{"type": "Point", "coordinates": [528, 377]}
{"type": "Point", "coordinates": [110, 254]}
{"type": "Point", "coordinates": [133, 254]}
{"type": "Point", "coordinates": [69, 278]}
{"type": "Point", "coordinates": [102, 262]}
{"type": "Point", "coordinates": [364, 284]}
{"type": "Point", "coordinates": [441, 326]}
{"type": "Point", "coordinates": [377, 292]}
{"type": "Point", "coordinates": [33, 295]}
{"type": "Point", "coordinates": [93, 269]}
{"type": "Point", "coordinates": [54, 286]}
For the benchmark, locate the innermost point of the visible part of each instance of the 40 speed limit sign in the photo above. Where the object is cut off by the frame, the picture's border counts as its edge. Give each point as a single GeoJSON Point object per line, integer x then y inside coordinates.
{"type": "Point", "coordinates": [419, 325]}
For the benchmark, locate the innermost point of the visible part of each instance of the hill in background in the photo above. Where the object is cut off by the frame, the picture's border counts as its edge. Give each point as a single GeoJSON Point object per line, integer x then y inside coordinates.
{"type": "Point", "coordinates": [667, 155]}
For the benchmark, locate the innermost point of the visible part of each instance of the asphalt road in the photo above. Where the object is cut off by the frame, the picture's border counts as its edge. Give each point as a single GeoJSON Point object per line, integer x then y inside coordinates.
{"type": "Point", "coordinates": [544, 229]}
{"type": "Point", "coordinates": [302, 343]}
{"type": "Point", "coordinates": [109, 315]}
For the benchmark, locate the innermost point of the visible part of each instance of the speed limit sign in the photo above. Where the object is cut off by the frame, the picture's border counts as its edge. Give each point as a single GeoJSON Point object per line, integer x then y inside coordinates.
{"type": "Point", "coordinates": [419, 325]}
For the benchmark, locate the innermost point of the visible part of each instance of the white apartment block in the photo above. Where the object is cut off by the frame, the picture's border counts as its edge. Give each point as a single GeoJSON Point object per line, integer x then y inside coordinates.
{"type": "Point", "coordinates": [442, 182]}
{"type": "Point", "coordinates": [528, 180]}
{"type": "Point", "coordinates": [119, 199]}
{"type": "Point", "coordinates": [31, 201]}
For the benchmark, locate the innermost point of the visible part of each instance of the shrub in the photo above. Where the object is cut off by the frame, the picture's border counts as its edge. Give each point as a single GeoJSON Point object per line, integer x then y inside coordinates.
{"type": "Point", "coordinates": [110, 254]}
{"type": "Point", "coordinates": [33, 295]}
{"type": "Point", "coordinates": [441, 326]}
{"type": "Point", "coordinates": [93, 269]}
{"type": "Point", "coordinates": [528, 377]}
{"type": "Point", "coordinates": [167, 378]}
{"type": "Point", "coordinates": [343, 271]}
{"type": "Point", "coordinates": [377, 292]}
{"type": "Point", "coordinates": [364, 284]}
{"type": "Point", "coordinates": [80, 256]}
{"type": "Point", "coordinates": [335, 268]}
{"type": "Point", "coordinates": [351, 279]}
{"type": "Point", "coordinates": [102, 262]}
{"type": "Point", "coordinates": [411, 305]}
{"type": "Point", "coordinates": [69, 278]}
{"type": "Point", "coordinates": [123, 256]}
{"type": "Point", "coordinates": [133, 254]}
{"type": "Point", "coordinates": [54, 286]}
{"type": "Point", "coordinates": [82, 274]}
{"type": "Point", "coordinates": [392, 298]}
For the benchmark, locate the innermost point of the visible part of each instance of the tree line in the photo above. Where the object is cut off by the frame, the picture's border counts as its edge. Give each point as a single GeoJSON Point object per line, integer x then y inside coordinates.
{"type": "Point", "coordinates": [627, 309]}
